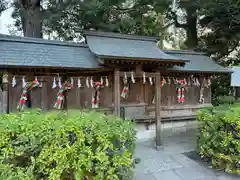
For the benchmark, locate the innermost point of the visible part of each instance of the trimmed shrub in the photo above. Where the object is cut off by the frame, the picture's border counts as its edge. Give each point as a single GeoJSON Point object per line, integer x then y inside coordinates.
{"type": "Point", "coordinates": [226, 99]}
{"type": "Point", "coordinates": [219, 139]}
{"type": "Point", "coordinates": [58, 145]}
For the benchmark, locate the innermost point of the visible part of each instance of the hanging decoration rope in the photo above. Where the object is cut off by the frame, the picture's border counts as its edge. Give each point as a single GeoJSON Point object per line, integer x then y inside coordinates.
{"type": "Point", "coordinates": [96, 94]}
{"type": "Point", "coordinates": [26, 96]}
{"type": "Point", "coordinates": [66, 86]}
{"type": "Point", "coordinates": [125, 88]}
{"type": "Point", "coordinates": [180, 90]}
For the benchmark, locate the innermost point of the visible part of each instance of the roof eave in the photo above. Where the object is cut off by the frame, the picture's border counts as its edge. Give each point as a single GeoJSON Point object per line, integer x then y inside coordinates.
{"type": "Point", "coordinates": [198, 71]}
{"type": "Point", "coordinates": [141, 58]}
{"type": "Point", "coordinates": [47, 67]}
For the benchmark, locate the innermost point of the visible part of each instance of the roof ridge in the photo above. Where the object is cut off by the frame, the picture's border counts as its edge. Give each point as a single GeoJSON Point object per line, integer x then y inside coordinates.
{"type": "Point", "coordinates": [120, 36]}
{"type": "Point", "coordinates": [10, 38]}
{"type": "Point", "coordinates": [190, 52]}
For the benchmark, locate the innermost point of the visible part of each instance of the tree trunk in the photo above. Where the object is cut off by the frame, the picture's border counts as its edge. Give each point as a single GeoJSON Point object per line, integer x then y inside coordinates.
{"type": "Point", "coordinates": [192, 38]}
{"type": "Point", "coordinates": [31, 19]}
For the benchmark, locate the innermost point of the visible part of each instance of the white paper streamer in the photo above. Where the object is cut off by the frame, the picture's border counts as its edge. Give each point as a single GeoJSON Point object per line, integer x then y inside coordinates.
{"type": "Point", "coordinates": [169, 81]}
{"type": "Point", "coordinates": [189, 81]}
{"type": "Point", "coordinates": [59, 82]}
{"type": "Point", "coordinates": [36, 79]}
{"type": "Point", "coordinates": [197, 82]}
{"type": "Point", "coordinates": [79, 83]}
{"type": "Point", "coordinates": [54, 85]}
{"type": "Point", "coordinates": [209, 82]}
{"type": "Point", "coordinates": [91, 82]}
{"type": "Point", "coordinates": [87, 82]}
{"type": "Point", "coordinates": [125, 78]}
{"type": "Point", "coordinates": [23, 82]}
{"type": "Point", "coordinates": [132, 78]}
{"type": "Point", "coordinates": [107, 83]}
{"type": "Point", "coordinates": [144, 78]}
{"type": "Point", "coordinates": [40, 83]}
{"type": "Point", "coordinates": [72, 81]}
{"type": "Point", "coordinates": [14, 82]}
{"type": "Point", "coordinates": [150, 80]}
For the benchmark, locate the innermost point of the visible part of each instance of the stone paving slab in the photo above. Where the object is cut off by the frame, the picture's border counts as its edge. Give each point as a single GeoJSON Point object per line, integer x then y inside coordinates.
{"type": "Point", "coordinates": [166, 175]}
{"type": "Point", "coordinates": [169, 163]}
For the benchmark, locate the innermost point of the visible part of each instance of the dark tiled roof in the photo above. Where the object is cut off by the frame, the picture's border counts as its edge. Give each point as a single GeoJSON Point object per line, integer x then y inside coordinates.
{"type": "Point", "coordinates": [33, 52]}
{"type": "Point", "coordinates": [113, 45]}
{"type": "Point", "coordinates": [199, 62]}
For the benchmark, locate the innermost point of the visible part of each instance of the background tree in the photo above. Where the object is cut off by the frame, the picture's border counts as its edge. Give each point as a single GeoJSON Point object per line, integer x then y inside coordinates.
{"type": "Point", "coordinates": [67, 19]}
{"type": "Point", "coordinates": [185, 16]}
{"type": "Point", "coordinates": [3, 5]}
{"type": "Point", "coordinates": [220, 27]}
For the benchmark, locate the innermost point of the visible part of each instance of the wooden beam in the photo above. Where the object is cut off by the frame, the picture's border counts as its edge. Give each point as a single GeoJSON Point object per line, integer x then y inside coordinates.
{"type": "Point", "coordinates": [122, 74]}
{"type": "Point", "coordinates": [158, 108]}
{"type": "Point", "coordinates": [116, 98]}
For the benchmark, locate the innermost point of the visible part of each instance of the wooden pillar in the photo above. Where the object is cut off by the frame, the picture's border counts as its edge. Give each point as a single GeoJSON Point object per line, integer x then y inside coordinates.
{"type": "Point", "coordinates": [44, 98]}
{"type": "Point", "coordinates": [116, 97]}
{"type": "Point", "coordinates": [5, 93]}
{"type": "Point", "coordinates": [158, 108]}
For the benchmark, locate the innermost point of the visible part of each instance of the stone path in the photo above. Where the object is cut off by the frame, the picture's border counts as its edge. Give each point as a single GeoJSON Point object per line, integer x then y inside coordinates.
{"type": "Point", "coordinates": [169, 163]}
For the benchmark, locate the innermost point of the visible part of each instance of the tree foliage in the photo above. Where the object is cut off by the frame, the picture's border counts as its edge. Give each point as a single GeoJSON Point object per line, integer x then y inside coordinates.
{"type": "Point", "coordinates": [222, 20]}
{"type": "Point", "coordinates": [3, 5]}
{"type": "Point", "coordinates": [67, 19]}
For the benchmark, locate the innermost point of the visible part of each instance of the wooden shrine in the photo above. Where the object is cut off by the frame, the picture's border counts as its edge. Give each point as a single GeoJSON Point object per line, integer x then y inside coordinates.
{"type": "Point", "coordinates": [108, 72]}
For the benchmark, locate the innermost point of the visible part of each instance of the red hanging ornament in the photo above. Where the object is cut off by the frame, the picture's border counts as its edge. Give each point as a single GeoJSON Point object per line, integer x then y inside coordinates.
{"type": "Point", "coordinates": [60, 95]}
{"type": "Point", "coordinates": [25, 96]}
{"type": "Point", "coordinates": [163, 82]}
{"type": "Point", "coordinates": [180, 90]}
{"type": "Point", "coordinates": [96, 94]}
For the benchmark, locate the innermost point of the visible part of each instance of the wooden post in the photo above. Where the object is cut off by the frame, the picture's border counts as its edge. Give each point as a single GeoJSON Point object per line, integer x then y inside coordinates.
{"type": "Point", "coordinates": [5, 93]}
{"type": "Point", "coordinates": [116, 98]}
{"type": "Point", "coordinates": [158, 108]}
{"type": "Point", "coordinates": [44, 98]}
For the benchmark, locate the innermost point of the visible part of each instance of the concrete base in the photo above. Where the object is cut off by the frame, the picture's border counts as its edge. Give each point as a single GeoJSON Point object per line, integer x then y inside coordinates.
{"type": "Point", "coordinates": [168, 129]}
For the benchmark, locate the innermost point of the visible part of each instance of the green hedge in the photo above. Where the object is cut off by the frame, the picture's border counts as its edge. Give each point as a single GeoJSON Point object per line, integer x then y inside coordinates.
{"type": "Point", "coordinates": [219, 141]}
{"type": "Point", "coordinates": [73, 145]}
{"type": "Point", "coordinates": [226, 99]}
